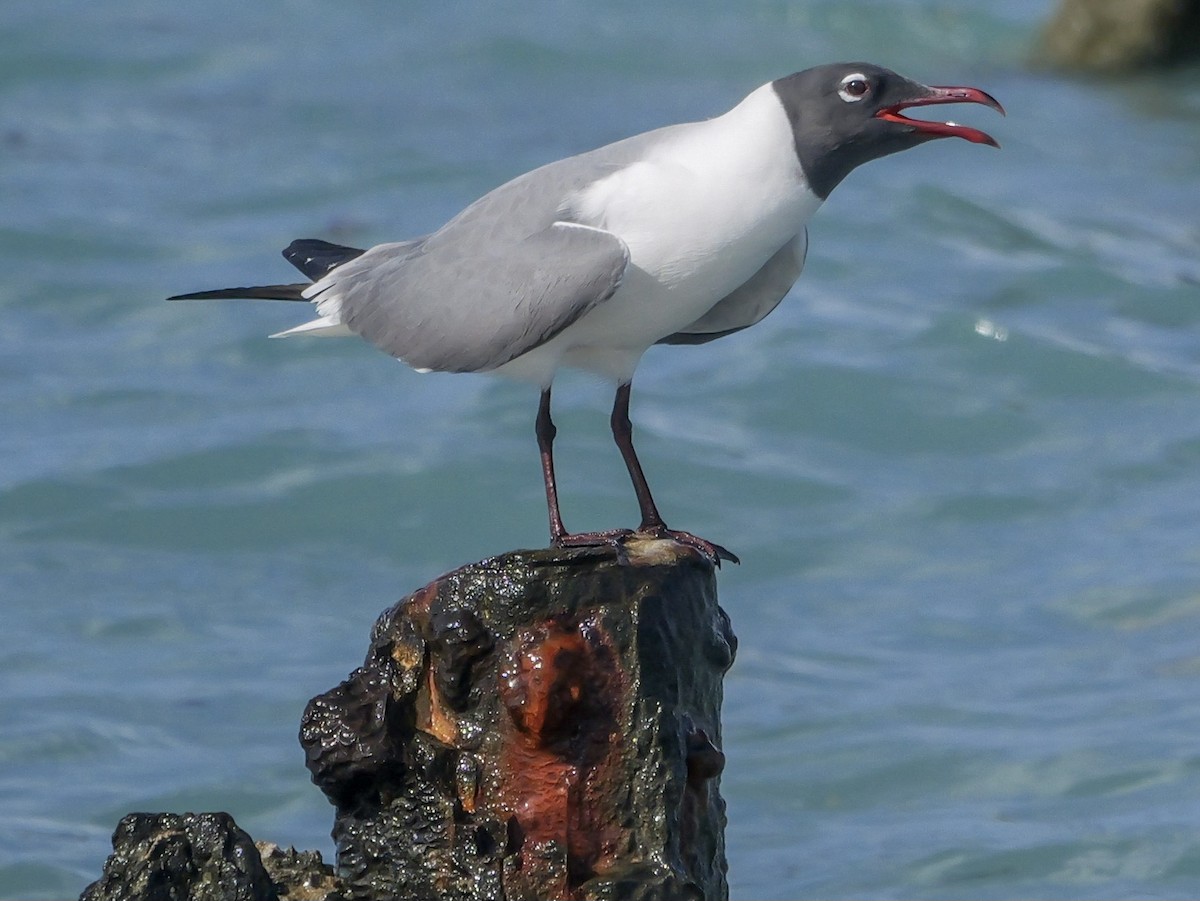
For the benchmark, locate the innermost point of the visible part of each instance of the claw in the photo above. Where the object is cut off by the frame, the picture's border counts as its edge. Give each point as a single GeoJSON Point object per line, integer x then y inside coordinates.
{"type": "Point", "coordinates": [612, 538]}
{"type": "Point", "coordinates": [616, 539]}
{"type": "Point", "coordinates": [711, 551]}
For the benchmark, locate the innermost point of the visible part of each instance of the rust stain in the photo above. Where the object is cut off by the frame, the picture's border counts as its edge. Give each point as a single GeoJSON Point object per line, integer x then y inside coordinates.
{"type": "Point", "coordinates": [561, 773]}
{"type": "Point", "coordinates": [433, 717]}
{"type": "Point", "coordinates": [546, 686]}
{"type": "Point", "coordinates": [416, 605]}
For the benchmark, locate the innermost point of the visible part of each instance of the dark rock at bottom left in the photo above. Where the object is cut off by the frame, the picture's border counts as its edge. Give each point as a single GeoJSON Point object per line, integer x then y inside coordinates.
{"type": "Point", "coordinates": [205, 857]}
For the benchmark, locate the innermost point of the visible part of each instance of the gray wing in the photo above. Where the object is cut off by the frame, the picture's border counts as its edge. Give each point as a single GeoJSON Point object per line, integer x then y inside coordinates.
{"type": "Point", "coordinates": [473, 305]}
{"type": "Point", "coordinates": [503, 276]}
{"type": "Point", "coordinates": [752, 300]}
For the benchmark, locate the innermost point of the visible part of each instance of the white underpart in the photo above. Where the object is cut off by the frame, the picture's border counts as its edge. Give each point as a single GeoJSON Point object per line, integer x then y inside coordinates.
{"type": "Point", "coordinates": [700, 215]}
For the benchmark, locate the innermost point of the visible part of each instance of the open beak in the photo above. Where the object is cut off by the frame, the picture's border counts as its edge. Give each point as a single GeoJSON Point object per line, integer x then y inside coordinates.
{"type": "Point", "coordinates": [937, 95]}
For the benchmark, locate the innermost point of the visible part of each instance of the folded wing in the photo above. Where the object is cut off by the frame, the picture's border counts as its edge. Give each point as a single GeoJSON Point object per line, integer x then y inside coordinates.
{"type": "Point", "coordinates": [471, 306]}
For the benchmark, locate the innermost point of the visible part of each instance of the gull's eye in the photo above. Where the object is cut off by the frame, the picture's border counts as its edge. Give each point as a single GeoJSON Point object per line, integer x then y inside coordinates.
{"type": "Point", "coordinates": [854, 88]}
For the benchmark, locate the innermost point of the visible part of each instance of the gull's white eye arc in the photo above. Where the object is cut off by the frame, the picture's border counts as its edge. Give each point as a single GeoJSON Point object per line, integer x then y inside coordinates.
{"type": "Point", "coordinates": [854, 87]}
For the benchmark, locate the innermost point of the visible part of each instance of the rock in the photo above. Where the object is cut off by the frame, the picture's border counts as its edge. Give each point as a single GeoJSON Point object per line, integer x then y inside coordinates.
{"type": "Point", "coordinates": [544, 724]}
{"type": "Point", "coordinates": [182, 857]}
{"type": "Point", "coordinates": [299, 875]}
{"type": "Point", "coordinates": [205, 857]}
{"type": "Point", "coordinates": [1121, 35]}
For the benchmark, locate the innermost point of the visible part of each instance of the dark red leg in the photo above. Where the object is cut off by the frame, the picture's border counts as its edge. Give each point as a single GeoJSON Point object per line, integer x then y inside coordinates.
{"type": "Point", "coordinates": [652, 522]}
{"type": "Point", "coordinates": [559, 536]}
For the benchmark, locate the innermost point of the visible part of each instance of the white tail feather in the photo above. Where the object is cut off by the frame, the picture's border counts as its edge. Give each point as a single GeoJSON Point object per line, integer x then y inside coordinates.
{"type": "Point", "coordinates": [324, 327]}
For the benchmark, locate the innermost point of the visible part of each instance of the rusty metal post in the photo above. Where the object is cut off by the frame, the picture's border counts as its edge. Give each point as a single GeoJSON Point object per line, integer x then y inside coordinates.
{"type": "Point", "coordinates": [543, 724]}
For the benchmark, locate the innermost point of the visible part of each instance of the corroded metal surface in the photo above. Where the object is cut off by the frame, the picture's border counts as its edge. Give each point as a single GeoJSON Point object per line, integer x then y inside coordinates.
{"type": "Point", "coordinates": [544, 724]}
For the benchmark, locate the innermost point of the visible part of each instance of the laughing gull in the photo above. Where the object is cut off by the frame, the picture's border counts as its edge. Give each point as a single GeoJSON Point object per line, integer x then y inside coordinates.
{"type": "Point", "coordinates": [680, 235]}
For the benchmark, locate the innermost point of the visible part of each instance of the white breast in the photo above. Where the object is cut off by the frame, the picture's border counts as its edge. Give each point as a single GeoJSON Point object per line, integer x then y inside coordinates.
{"type": "Point", "coordinates": [700, 214]}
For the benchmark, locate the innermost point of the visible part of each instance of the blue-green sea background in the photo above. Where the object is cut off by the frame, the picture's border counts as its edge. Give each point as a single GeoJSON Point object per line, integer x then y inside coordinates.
{"type": "Point", "coordinates": [961, 463]}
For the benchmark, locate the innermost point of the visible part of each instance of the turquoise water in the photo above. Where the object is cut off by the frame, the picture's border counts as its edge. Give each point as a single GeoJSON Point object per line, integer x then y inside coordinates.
{"type": "Point", "coordinates": [961, 463]}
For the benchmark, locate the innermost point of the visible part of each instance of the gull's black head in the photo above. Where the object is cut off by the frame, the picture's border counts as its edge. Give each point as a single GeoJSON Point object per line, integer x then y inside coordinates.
{"type": "Point", "coordinates": [845, 114]}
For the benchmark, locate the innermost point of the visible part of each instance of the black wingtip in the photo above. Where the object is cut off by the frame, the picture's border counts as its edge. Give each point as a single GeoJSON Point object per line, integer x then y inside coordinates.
{"type": "Point", "coordinates": [316, 258]}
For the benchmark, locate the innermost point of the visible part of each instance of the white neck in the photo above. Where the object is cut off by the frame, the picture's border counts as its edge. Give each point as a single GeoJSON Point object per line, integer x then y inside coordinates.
{"type": "Point", "coordinates": [732, 181]}
{"type": "Point", "coordinates": [754, 139]}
